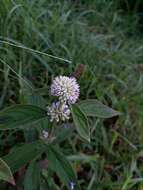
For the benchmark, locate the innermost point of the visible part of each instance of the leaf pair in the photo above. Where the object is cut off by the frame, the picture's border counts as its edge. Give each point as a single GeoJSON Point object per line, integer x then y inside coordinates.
{"type": "Point", "coordinates": [56, 161]}
{"type": "Point", "coordinates": [25, 115]}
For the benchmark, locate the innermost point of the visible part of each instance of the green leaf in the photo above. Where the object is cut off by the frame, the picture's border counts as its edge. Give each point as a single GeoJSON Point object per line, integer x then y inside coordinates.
{"type": "Point", "coordinates": [32, 177]}
{"type": "Point", "coordinates": [5, 173]}
{"type": "Point", "coordinates": [81, 122]}
{"type": "Point", "coordinates": [31, 98]}
{"type": "Point", "coordinates": [24, 154]}
{"type": "Point", "coordinates": [20, 115]}
{"type": "Point", "coordinates": [62, 134]}
{"type": "Point", "coordinates": [59, 164]}
{"type": "Point", "coordinates": [95, 108]}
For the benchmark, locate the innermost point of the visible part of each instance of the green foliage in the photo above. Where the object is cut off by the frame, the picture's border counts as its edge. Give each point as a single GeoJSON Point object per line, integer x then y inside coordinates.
{"type": "Point", "coordinates": [20, 116]}
{"type": "Point", "coordinates": [61, 166]}
{"type": "Point", "coordinates": [5, 173]}
{"type": "Point", "coordinates": [95, 108]}
{"type": "Point", "coordinates": [81, 122]}
{"type": "Point", "coordinates": [32, 177]}
{"type": "Point", "coordinates": [20, 156]}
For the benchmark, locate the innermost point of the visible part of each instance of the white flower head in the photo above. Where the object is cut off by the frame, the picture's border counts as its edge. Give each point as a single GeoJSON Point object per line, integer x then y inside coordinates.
{"type": "Point", "coordinates": [58, 111]}
{"type": "Point", "coordinates": [66, 88]}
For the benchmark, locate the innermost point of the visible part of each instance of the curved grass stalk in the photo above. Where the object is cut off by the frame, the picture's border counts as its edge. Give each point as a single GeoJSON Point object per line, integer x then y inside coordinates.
{"type": "Point", "coordinates": [18, 45]}
{"type": "Point", "coordinates": [2, 61]}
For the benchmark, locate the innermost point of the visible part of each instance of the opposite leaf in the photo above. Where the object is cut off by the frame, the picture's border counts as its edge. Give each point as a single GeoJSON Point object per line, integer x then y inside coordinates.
{"type": "Point", "coordinates": [20, 156]}
{"type": "Point", "coordinates": [59, 164]}
{"type": "Point", "coordinates": [95, 108]}
{"type": "Point", "coordinates": [5, 173]}
{"type": "Point", "coordinates": [80, 122]}
{"type": "Point", "coordinates": [20, 115]}
{"type": "Point", "coordinates": [32, 177]}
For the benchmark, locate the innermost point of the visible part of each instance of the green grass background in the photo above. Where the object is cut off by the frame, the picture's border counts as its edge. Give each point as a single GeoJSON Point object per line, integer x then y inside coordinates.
{"type": "Point", "coordinates": [104, 35]}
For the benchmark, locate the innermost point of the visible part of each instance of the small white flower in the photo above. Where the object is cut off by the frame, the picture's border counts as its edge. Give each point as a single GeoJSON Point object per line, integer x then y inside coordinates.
{"type": "Point", "coordinates": [58, 111]}
{"type": "Point", "coordinates": [66, 88]}
{"type": "Point", "coordinates": [44, 134]}
{"type": "Point", "coordinates": [72, 185]}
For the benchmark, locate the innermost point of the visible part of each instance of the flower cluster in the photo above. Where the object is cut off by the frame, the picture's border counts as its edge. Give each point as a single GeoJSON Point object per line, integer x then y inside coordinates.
{"type": "Point", "coordinates": [67, 90]}
{"type": "Point", "coordinates": [58, 111]}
